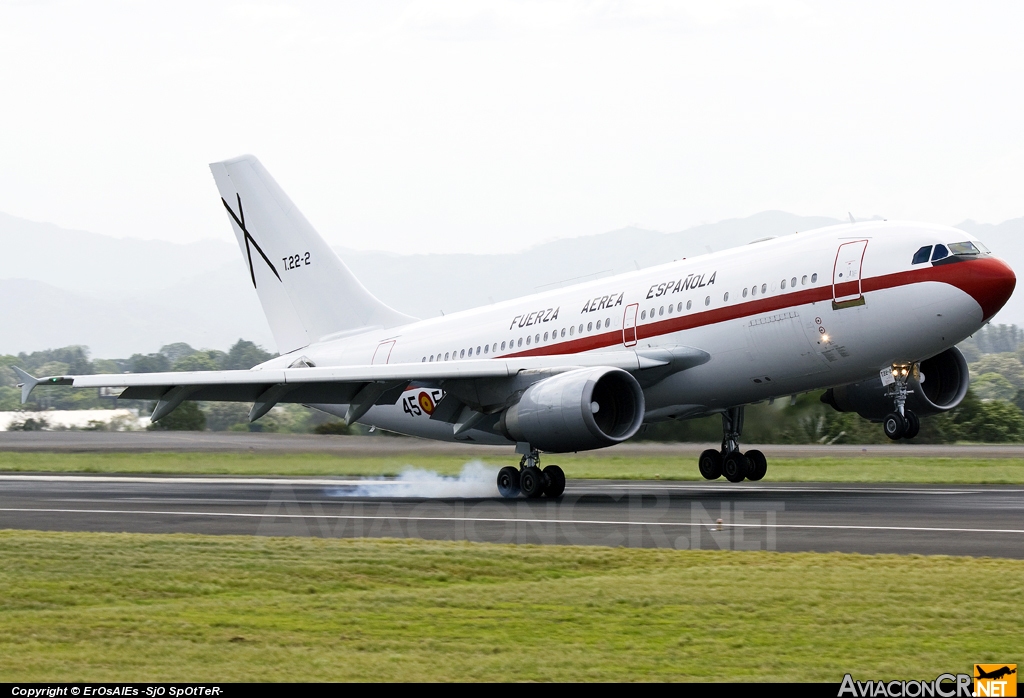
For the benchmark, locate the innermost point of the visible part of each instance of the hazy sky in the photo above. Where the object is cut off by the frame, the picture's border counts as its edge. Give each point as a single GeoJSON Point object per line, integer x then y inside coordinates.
{"type": "Point", "coordinates": [482, 126]}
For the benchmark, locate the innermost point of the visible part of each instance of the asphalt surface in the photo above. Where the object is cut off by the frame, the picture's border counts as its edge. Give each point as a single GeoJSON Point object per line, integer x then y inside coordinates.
{"type": "Point", "coordinates": [976, 520]}
{"type": "Point", "coordinates": [235, 442]}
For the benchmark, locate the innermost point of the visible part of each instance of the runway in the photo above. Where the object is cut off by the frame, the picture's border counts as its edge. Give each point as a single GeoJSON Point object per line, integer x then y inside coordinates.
{"type": "Point", "coordinates": [976, 520]}
{"type": "Point", "coordinates": [267, 443]}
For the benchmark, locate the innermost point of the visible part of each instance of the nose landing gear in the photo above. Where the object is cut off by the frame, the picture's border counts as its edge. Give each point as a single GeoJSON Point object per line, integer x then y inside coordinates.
{"type": "Point", "coordinates": [529, 479]}
{"type": "Point", "coordinates": [736, 466]}
{"type": "Point", "coordinates": [901, 423]}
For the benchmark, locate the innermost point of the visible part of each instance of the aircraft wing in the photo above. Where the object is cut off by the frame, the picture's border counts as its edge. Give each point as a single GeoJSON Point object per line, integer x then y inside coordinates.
{"type": "Point", "coordinates": [360, 386]}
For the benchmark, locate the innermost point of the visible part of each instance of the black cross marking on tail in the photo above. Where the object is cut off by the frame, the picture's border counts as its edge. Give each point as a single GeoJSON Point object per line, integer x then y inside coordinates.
{"type": "Point", "coordinates": [249, 240]}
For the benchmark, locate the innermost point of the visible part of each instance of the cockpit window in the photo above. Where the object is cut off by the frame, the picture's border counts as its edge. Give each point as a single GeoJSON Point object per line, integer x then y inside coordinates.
{"type": "Point", "coordinates": [940, 253]}
{"type": "Point", "coordinates": [984, 250]}
{"type": "Point", "coordinates": [922, 255]}
{"type": "Point", "coordinates": [963, 248]}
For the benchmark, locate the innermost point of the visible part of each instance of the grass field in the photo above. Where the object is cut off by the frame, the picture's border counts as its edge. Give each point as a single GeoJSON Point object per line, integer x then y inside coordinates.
{"type": "Point", "coordinates": [120, 607]}
{"type": "Point", "coordinates": [860, 469]}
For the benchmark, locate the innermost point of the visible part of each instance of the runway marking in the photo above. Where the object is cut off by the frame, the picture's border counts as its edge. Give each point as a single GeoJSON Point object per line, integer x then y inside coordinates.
{"type": "Point", "coordinates": [464, 519]}
{"type": "Point", "coordinates": [641, 485]}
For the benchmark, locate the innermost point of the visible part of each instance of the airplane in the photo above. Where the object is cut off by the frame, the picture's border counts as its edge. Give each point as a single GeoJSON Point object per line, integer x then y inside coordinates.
{"type": "Point", "coordinates": [871, 312]}
{"type": "Point", "coordinates": [995, 674]}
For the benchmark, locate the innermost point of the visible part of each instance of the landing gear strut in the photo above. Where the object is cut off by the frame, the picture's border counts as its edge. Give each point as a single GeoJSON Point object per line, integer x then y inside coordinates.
{"type": "Point", "coordinates": [529, 479]}
{"type": "Point", "coordinates": [901, 423]}
{"type": "Point", "coordinates": [736, 466]}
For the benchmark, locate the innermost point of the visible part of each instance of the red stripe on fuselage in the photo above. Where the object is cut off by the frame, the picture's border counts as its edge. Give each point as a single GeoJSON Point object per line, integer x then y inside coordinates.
{"type": "Point", "coordinates": [988, 280]}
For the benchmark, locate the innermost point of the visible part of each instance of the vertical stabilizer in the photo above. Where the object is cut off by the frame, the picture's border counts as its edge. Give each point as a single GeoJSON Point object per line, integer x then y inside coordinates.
{"type": "Point", "coordinates": [307, 292]}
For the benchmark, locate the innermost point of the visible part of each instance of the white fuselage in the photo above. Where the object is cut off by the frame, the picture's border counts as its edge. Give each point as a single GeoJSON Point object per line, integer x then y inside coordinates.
{"type": "Point", "coordinates": [778, 317]}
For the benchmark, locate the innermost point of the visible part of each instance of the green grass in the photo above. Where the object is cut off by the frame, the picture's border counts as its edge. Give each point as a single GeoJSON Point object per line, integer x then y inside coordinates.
{"type": "Point", "coordinates": [598, 466]}
{"type": "Point", "coordinates": [131, 607]}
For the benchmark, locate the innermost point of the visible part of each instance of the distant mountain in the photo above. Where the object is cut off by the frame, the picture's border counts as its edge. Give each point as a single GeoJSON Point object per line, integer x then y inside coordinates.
{"type": "Point", "coordinates": [122, 296]}
{"type": "Point", "coordinates": [84, 262]}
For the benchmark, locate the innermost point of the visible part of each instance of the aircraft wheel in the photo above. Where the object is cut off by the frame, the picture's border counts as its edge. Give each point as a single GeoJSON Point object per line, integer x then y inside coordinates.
{"type": "Point", "coordinates": [508, 482]}
{"type": "Point", "coordinates": [913, 425]}
{"type": "Point", "coordinates": [895, 426]}
{"type": "Point", "coordinates": [710, 464]}
{"type": "Point", "coordinates": [735, 467]}
{"type": "Point", "coordinates": [531, 482]}
{"type": "Point", "coordinates": [758, 464]}
{"type": "Point", "coordinates": [556, 481]}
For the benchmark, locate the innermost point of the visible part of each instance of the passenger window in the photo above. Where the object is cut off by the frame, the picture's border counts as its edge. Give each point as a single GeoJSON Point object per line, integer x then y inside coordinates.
{"type": "Point", "coordinates": [707, 301]}
{"type": "Point", "coordinates": [922, 255]}
{"type": "Point", "coordinates": [431, 359]}
{"type": "Point", "coordinates": [462, 354]}
{"type": "Point", "coordinates": [661, 310]}
{"type": "Point", "coordinates": [572, 330]}
{"type": "Point", "coordinates": [744, 293]}
{"type": "Point", "coordinates": [581, 328]}
{"type": "Point", "coordinates": [643, 315]}
{"type": "Point", "coordinates": [783, 283]}
{"type": "Point", "coordinates": [753, 291]}
{"type": "Point", "coordinates": [590, 326]}
{"type": "Point", "coordinates": [527, 340]}
{"type": "Point", "coordinates": [503, 346]}
{"type": "Point", "coordinates": [669, 308]}
{"type": "Point", "coordinates": [478, 351]}
{"type": "Point", "coordinates": [607, 322]}
{"type": "Point", "coordinates": [814, 278]}
{"type": "Point", "coordinates": [495, 347]}
{"type": "Point", "coordinates": [803, 281]}
{"type": "Point", "coordinates": [792, 282]}
{"type": "Point", "coordinates": [486, 348]}
{"type": "Point", "coordinates": [689, 304]}
{"type": "Point", "coordinates": [726, 297]}
{"type": "Point", "coordinates": [545, 336]}
{"type": "Point", "coordinates": [446, 356]}
{"type": "Point", "coordinates": [940, 253]}
{"type": "Point", "coordinates": [764, 288]}
{"type": "Point", "coordinates": [520, 342]}
{"type": "Point", "coordinates": [679, 307]}
{"type": "Point", "coordinates": [563, 331]}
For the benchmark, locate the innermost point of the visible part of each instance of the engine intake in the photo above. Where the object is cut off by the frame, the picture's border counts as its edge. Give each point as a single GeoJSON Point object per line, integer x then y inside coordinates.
{"type": "Point", "coordinates": [945, 382]}
{"type": "Point", "coordinates": [577, 410]}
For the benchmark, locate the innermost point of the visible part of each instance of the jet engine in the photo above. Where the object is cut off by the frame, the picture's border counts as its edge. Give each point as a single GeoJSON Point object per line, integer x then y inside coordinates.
{"type": "Point", "coordinates": [577, 410]}
{"type": "Point", "coordinates": [940, 386]}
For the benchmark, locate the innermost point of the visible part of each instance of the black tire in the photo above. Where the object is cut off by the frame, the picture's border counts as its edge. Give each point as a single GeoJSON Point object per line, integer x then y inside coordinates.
{"type": "Point", "coordinates": [735, 467]}
{"type": "Point", "coordinates": [758, 465]}
{"type": "Point", "coordinates": [508, 482]}
{"type": "Point", "coordinates": [894, 426]}
{"type": "Point", "coordinates": [532, 482]}
{"type": "Point", "coordinates": [556, 481]}
{"type": "Point", "coordinates": [913, 425]}
{"type": "Point", "coordinates": [710, 464]}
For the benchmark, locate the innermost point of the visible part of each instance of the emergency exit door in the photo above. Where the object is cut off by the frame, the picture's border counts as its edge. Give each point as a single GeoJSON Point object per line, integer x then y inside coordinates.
{"type": "Point", "coordinates": [847, 288]}
{"type": "Point", "coordinates": [629, 325]}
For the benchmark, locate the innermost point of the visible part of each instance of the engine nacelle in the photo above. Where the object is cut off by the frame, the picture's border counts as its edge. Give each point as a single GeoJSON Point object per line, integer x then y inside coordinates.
{"type": "Point", "coordinates": [577, 411]}
{"type": "Point", "coordinates": [945, 379]}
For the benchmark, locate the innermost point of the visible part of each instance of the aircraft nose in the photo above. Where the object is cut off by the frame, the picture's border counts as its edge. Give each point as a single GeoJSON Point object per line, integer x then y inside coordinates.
{"type": "Point", "coordinates": [991, 282]}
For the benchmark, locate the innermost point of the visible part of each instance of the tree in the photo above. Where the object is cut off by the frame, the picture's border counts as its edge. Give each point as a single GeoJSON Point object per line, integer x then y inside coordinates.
{"type": "Point", "coordinates": [199, 361]}
{"type": "Point", "coordinates": [186, 417]}
{"type": "Point", "coordinates": [244, 355]}
{"type": "Point", "coordinates": [176, 351]}
{"type": "Point", "coordinates": [149, 363]}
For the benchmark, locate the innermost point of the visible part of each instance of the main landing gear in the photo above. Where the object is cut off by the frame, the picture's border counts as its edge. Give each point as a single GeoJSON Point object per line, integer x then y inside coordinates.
{"type": "Point", "coordinates": [901, 423]}
{"type": "Point", "coordinates": [530, 480]}
{"type": "Point", "coordinates": [736, 466]}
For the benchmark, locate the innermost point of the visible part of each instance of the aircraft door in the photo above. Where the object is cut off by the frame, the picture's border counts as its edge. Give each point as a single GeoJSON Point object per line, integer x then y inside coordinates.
{"type": "Point", "coordinates": [629, 325]}
{"type": "Point", "coordinates": [383, 352]}
{"type": "Point", "coordinates": [846, 275]}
